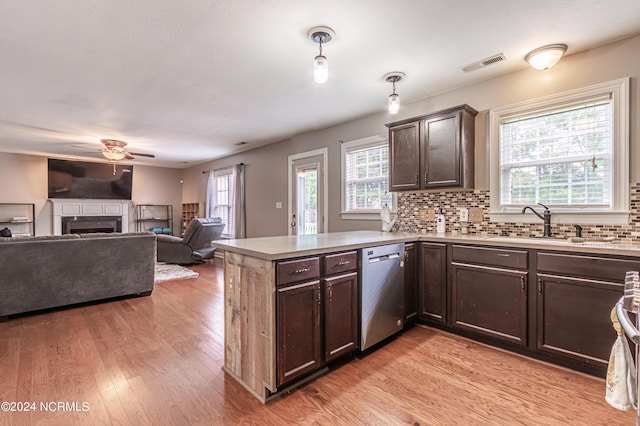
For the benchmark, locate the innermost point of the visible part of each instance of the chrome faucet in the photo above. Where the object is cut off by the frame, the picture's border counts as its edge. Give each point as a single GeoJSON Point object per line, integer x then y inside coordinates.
{"type": "Point", "coordinates": [546, 218]}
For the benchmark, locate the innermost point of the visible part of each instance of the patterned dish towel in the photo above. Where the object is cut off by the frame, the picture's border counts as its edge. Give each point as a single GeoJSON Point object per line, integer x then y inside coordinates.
{"type": "Point", "coordinates": [621, 372]}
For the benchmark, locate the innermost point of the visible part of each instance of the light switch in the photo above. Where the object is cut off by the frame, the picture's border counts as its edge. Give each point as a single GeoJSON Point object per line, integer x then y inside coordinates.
{"type": "Point", "coordinates": [431, 213]}
{"type": "Point", "coordinates": [423, 215]}
{"type": "Point", "coordinates": [278, 204]}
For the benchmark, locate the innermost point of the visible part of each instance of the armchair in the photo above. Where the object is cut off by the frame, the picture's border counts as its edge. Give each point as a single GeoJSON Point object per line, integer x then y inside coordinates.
{"type": "Point", "coordinates": [195, 244]}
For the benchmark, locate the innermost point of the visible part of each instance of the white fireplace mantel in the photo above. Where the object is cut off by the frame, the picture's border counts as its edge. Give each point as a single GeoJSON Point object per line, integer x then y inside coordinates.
{"type": "Point", "coordinates": [63, 207]}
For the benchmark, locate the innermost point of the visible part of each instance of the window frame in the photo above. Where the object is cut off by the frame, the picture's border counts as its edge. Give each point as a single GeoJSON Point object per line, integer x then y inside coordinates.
{"type": "Point", "coordinates": [228, 172]}
{"type": "Point", "coordinates": [619, 212]}
{"type": "Point", "coordinates": [370, 214]}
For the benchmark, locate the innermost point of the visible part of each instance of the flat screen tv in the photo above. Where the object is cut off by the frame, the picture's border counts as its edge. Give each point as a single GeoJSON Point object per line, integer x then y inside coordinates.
{"type": "Point", "coordinates": [79, 179]}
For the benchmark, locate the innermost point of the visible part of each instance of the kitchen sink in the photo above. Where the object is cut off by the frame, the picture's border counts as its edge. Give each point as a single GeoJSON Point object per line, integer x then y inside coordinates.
{"type": "Point", "coordinates": [529, 240]}
{"type": "Point", "coordinates": [554, 240]}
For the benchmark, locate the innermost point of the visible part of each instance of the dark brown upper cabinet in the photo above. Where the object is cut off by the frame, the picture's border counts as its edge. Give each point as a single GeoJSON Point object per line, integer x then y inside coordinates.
{"type": "Point", "coordinates": [433, 151]}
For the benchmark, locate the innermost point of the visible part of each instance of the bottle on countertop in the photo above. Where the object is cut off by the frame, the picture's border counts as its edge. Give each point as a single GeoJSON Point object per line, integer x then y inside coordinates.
{"type": "Point", "coordinates": [441, 226]}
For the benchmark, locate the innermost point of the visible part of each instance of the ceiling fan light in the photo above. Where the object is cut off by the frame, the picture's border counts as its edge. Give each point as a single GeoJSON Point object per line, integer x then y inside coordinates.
{"type": "Point", "coordinates": [112, 154]}
{"type": "Point", "coordinates": [320, 69]}
{"type": "Point", "coordinates": [394, 103]}
{"type": "Point", "coordinates": [546, 57]}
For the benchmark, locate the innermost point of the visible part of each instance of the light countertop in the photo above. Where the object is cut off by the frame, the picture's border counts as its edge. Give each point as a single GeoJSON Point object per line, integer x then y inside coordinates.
{"type": "Point", "coordinates": [284, 247]}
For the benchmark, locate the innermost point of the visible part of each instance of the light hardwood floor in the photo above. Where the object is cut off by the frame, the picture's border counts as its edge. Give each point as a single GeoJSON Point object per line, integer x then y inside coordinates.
{"type": "Point", "coordinates": [157, 360]}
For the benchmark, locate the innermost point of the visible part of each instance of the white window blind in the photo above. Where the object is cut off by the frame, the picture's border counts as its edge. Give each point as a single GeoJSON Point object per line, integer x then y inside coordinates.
{"type": "Point", "coordinates": [569, 151]}
{"type": "Point", "coordinates": [223, 202]}
{"type": "Point", "coordinates": [561, 157]}
{"type": "Point", "coordinates": [366, 170]}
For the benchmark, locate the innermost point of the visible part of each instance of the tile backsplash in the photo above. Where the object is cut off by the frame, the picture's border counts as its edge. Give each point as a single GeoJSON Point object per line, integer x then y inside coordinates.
{"type": "Point", "coordinates": [410, 205]}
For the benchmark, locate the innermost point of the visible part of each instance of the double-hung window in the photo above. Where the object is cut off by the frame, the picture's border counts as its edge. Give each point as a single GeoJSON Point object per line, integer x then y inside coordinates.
{"type": "Point", "coordinates": [365, 175]}
{"type": "Point", "coordinates": [568, 152]}
{"type": "Point", "coordinates": [222, 202]}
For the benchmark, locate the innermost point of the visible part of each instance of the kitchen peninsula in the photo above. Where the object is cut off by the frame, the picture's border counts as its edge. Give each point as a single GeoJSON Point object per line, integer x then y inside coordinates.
{"type": "Point", "coordinates": [546, 298]}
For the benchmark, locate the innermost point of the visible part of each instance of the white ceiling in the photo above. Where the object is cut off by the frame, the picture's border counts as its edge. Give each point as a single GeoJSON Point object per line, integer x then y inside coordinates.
{"type": "Point", "coordinates": [187, 80]}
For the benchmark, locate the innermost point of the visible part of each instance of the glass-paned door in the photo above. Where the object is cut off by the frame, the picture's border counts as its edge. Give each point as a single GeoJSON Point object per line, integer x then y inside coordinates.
{"type": "Point", "coordinates": [306, 186]}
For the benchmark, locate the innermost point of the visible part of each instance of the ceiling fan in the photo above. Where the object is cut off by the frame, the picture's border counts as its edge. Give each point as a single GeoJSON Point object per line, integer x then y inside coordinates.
{"type": "Point", "coordinates": [114, 151]}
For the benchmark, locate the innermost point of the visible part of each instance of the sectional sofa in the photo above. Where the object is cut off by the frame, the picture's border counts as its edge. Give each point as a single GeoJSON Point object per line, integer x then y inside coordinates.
{"type": "Point", "coordinates": [51, 271]}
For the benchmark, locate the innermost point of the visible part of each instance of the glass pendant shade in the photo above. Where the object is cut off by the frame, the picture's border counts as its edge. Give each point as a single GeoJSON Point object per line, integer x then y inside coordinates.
{"type": "Point", "coordinates": [113, 154]}
{"type": "Point", "coordinates": [394, 103]}
{"type": "Point", "coordinates": [320, 69]}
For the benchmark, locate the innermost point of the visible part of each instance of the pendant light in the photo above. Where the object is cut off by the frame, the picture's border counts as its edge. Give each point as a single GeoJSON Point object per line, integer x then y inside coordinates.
{"type": "Point", "coordinates": [394, 98]}
{"type": "Point", "coordinates": [546, 57]}
{"type": "Point", "coordinates": [320, 65]}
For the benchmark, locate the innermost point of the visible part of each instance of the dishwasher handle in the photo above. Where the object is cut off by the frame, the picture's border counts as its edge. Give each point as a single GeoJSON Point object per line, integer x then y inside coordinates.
{"type": "Point", "coordinates": [629, 329]}
{"type": "Point", "coordinates": [384, 257]}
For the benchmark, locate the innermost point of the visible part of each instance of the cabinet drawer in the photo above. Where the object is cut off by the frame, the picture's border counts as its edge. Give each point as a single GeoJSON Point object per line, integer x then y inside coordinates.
{"type": "Point", "coordinates": [490, 256]}
{"type": "Point", "coordinates": [591, 267]}
{"type": "Point", "coordinates": [340, 262]}
{"type": "Point", "coordinates": [292, 271]}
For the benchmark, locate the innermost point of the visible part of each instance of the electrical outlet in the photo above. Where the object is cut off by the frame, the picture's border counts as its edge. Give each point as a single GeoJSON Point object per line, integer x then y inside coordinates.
{"type": "Point", "coordinates": [475, 214]}
{"type": "Point", "coordinates": [464, 214]}
{"type": "Point", "coordinates": [431, 213]}
{"type": "Point", "coordinates": [423, 215]}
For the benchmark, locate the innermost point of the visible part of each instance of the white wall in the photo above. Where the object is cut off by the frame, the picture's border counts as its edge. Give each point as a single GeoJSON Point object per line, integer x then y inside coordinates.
{"type": "Point", "coordinates": [24, 180]}
{"type": "Point", "coordinates": [266, 168]}
{"type": "Point", "coordinates": [158, 185]}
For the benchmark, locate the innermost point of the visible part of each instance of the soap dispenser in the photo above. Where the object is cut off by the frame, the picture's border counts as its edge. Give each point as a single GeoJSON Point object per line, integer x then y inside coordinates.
{"type": "Point", "coordinates": [441, 227]}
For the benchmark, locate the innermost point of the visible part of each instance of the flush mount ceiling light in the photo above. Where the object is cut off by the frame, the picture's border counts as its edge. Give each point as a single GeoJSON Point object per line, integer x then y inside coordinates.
{"type": "Point", "coordinates": [394, 98]}
{"type": "Point", "coordinates": [321, 35]}
{"type": "Point", "coordinates": [545, 57]}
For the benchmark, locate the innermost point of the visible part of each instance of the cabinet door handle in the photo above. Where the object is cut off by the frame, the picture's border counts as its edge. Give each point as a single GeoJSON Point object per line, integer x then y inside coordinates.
{"type": "Point", "coordinates": [417, 178]}
{"type": "Point", "coordinates": [346, 262]}
{"type": "Point", "coordinates": [539, 286]}
{"type": "Point", "coordinates": [330, 294]}
{"type": "Point", "coordinates": [318, 296]}
{"type": "Point", "coordinates": [301, 270]}
{"type": "Point", "coordinates": [522, 283]}
{"type": "Point", "coordinates": [426, 181]}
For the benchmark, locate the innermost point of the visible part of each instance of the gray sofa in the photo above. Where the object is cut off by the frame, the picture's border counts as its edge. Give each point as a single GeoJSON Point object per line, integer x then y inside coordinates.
{"type": "Point", "coordinates": [46, 272]}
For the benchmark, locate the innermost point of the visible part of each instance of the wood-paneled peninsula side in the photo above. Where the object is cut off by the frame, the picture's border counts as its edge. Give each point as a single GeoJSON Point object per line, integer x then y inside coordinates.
{"type": "Point", "coordinates": [251, 293]}
{"type": "Point", "coordinates": [252, 287]}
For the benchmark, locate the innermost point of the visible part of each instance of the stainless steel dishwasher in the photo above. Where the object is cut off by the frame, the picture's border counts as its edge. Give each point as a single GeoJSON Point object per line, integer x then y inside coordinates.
{"type": "Point", "coordinates": [381, 293]}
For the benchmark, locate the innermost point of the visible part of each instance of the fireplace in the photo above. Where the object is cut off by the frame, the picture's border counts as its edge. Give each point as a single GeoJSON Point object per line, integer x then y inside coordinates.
{"type": "Point", "coordinates": [91, 224]}
{"type": "Point", "coordinates": [84, 216]}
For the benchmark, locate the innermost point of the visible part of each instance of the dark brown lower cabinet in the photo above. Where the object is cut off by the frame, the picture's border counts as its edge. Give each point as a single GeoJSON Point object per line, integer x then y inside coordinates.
{"type": "Point", "coordinates": [489, 292]}
{"type": "Point", "coordinates": [410, 283]}
{"type": "Point", "coordinates": [298, 330]}
{"type": "Point", "coordinates": [340, 315]}
{"type": "Point", "coordinates": [575, 295]}
{"type": "Point", "coordinates": [433, 282]}
{"type": "Point", "coordinates": [317, 320]}
{"type": "Point", "coordinates": [490, 301]}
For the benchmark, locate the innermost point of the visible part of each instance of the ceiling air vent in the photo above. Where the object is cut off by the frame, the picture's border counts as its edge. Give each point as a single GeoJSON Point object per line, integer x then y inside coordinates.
{"type": "Point", "coordinates": [484, 62]}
